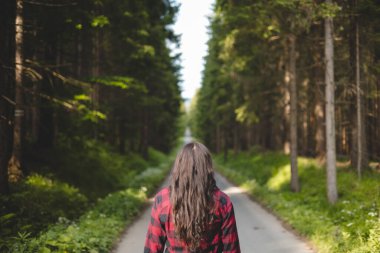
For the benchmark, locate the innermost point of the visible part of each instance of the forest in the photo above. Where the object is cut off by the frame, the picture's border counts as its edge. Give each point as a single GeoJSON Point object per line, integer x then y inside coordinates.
{"type": "Point", "coordinates": [64, 76]}
{"type": "Point", "coordinates": [277, 78]}
{"type": "Point", "coordinates": [290, 100]}
{"type": "Point", "coordinates": [91, 115]}
{"type": "Point", "coordinates": [90, 99]}
{"type": "Point", "coordinates": [266, 65]}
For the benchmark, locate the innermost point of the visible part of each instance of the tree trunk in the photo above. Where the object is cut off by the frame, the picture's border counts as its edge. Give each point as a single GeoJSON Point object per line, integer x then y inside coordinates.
{"type": "Point", "coordinates": [144, 134]}
{"type": "Point", "coordinates": [319, 137]}
{"type": "Point", "coordinates": [35, 112]}
{"type": "Point", "coordinates": [225, 145]}
{"type": "Point", "coordinates": [359, 156]}
{"type": "Point", "coordinates": [249, 137]}
{"type": "Point", "coordinates": [79, 54]}
{"type": "Point", "coordinates": [14, 164]}
{"type": "Point", "coordinates": [47, 128]}
{"type": "Point", "coordinates": [377, 147]}
{"type": "Point", "coordinates": [236, 139]}
{"type": "Point", "coordinates": [294, 182]}
{"type": "Point", "coordinates": [35, 106]}
{"type": "Point", "coordinates": [332, 193]}
{"type": "Point", "coordinates": [305, 119]}
{"type": "Point", "coordinates": [338, 128]}
{"type": "Point", "coordinates": [286, 102]}
{"type": "Point", "coordinates": [7, 17]}
{"type": "Point", "coordinates": [121, 136]}
{"type": "Point", "coordinates": [320, 132]}
{"type": "Point", "coordinates": [218, 139]}
{"type": "Point", "coordinates": [95, 92]}
{"type": "Point", "coordinates": [309, 130]}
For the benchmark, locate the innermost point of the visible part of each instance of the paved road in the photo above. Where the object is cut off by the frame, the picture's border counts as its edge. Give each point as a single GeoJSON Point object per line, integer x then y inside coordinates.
{"type": "Point", "coordinates": [259, 231]}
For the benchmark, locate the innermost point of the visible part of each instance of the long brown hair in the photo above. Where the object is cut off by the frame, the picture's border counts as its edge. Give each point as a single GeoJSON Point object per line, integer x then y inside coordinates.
{"type": "Point", "coordinates": [191, 193]}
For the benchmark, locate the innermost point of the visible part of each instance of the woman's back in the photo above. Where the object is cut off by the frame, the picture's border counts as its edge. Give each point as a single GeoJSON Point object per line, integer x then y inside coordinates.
{"type": "Point", "coordinates": [192, 214]}
{"type": "Point", "coordinates": [221, 235]}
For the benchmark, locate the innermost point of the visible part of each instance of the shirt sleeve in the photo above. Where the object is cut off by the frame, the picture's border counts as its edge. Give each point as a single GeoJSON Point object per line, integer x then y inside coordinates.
{"type": "Point", "coordinates": [230, 237]}
{"type": "Point", "coordinates": [156, 236]}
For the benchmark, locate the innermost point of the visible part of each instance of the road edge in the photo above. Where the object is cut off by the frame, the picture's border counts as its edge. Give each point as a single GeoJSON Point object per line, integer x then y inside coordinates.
{"type": "Point", "coordinates": [283, 223]}
{"type": "Point", "coordinates": [145, 206]}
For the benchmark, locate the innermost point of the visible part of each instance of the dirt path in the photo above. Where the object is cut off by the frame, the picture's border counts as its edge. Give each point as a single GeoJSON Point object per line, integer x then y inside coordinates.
{"type": "Point", "coordinates": [259, 231]}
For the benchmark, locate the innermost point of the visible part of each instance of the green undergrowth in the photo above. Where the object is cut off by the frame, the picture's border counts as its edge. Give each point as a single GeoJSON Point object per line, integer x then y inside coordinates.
{"type": "Point", "coordinates": [351, 225]}
{"type": "Point", "coordinates": [50, 211]}
{"type": "Point", "coordinates": [91, 166]}
{"type": "Point", "coordinates": [94, 231]}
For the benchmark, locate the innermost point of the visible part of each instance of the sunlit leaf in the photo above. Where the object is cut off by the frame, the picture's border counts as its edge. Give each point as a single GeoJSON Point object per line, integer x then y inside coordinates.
{"type": "Point", "coordinates": [143, 33]}
{"type": "Point", "coordinates": [123, 82]}
{"type": "Point", "coordinates": [244, 115]}
{"type": "Point", "coordinates": [128, 14]}
{"type": "Point", "coordinates": [94, 116]}
{"type": "Point", "coordinates": [100, 21]}
{"type": "Point", "coordinates": [82, 97]}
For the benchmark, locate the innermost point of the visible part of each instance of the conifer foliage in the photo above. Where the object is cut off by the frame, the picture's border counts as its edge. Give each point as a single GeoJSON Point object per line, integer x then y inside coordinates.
{"type": "Point", "coordinates": [98, 69]}
{"type": "Point", "coordinates": [264, 79]}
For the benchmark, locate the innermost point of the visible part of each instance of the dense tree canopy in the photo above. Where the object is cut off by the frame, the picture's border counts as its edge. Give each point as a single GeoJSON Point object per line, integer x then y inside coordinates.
{"type": "Point", "coordinates": [245, 97]}
{"type": "Point", "coordinates": [98, 69]}
{"type": "Point", "coordinates": [90, 107]}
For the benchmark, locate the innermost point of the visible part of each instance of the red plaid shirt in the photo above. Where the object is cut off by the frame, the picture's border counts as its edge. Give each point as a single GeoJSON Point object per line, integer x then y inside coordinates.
{"type": "Point", "coordinates": [222, 234]}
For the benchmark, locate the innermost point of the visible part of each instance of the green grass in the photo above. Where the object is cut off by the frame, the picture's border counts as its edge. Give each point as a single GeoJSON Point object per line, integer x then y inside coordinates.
{"type": "Point", "coordinates": [37, 202]}
{"type": "Point", "coordinates": [97, 229]}
{"type": "Point", "coordinates": [351, 225]}
{"type": "Point", "coordinates": [79, 198]}
{"type": "Point", "coordinates": [91, 166]}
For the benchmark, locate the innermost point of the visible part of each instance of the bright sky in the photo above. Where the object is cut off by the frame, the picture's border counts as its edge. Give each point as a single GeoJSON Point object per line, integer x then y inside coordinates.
{"type": "Point", "coordinates": [192, 24]}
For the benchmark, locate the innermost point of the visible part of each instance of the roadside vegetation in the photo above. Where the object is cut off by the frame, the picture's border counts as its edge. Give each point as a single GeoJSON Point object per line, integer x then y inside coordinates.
{"type": "Point", "coordinates": [90, 103]}
{"type": "Point", "coordinates": [300, 77]}
{"type": "Point", "coordinates": [351, 225]}
{"type": "Point", "coordinates": [53, 211]}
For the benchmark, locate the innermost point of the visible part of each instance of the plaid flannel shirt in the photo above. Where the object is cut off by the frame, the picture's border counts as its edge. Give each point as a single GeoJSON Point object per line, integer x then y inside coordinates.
{"type": "Point", "coordinates": [221, 236]}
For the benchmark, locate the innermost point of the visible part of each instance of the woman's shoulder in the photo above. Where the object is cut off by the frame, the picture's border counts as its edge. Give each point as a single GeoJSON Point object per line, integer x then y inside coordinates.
{"type": "Point", "coordinates": [222, 198]}
{"type": "Point", "coordinates": [162, 198]}
{"type": "Point", "coordinates": [163, 191]}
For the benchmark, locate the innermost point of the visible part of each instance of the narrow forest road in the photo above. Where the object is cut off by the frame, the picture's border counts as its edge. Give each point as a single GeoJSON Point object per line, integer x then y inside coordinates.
{"type": "Point", "coordinates": [259, 231]}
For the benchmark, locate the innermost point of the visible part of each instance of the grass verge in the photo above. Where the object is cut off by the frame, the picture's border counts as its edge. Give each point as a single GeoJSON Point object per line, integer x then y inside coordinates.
{"type": "Point", "coordinates": [352, 225]}
{"type": "Point", "coordinates": [45, 214]}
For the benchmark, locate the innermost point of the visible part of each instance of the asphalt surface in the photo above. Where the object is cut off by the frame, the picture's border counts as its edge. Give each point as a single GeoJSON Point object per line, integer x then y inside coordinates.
{"type": "Point", "coordinates": [259, 231]}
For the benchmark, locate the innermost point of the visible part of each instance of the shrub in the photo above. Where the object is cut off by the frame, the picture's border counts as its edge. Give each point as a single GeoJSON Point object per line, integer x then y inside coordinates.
{"type": "Point", "coordinates": [351, 225]}
{"type": "Point", "coordinates": [98, 227]}
{"type": "Point", "coordinates": [95, 231]}
{"type": "Point", "coordinates": [37, 202]}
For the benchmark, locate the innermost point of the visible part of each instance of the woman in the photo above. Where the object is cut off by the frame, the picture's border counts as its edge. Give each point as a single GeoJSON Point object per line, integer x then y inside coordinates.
{"type": "Point", "coordinates": [192, 214]}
